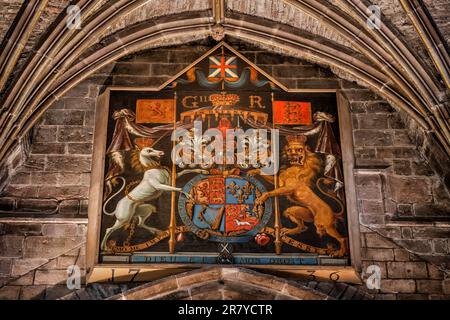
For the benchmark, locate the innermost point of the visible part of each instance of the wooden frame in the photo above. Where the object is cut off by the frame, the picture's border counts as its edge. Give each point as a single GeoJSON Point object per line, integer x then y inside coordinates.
{"type": "Point", "coordinates": [96, 272]}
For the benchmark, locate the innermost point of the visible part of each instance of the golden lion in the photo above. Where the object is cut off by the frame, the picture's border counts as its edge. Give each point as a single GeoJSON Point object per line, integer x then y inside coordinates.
{"type": "Point", "coordinates": [295, 183]}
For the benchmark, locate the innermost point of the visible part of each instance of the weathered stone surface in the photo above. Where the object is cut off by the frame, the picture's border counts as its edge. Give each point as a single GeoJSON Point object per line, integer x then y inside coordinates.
{"type": "Point", "coordinates": [5, 266]}
{"type": "Point", "coordinates": [23, 266]}
{"type": "Point", "coordinates": [25, 229]}
{"type": "Point", "coordinates": [377, 254]}
{"type": "Point", "coordinates": [49, 247]}
{"type": "Point", "coordinates": [79, 148]}
{"type": "Point", "coordinates": [410, 190]}
{"type": "Point", "coordinates": [64, 117]}
{"type": "Point", "coordinates": [33, 292]}
{"type": "Point", "coordinates": [50, 277]}
{"type": "Point", "coordinates": [429, 286]}
{"type": "Point", "coordinates": [59, 230]}
{"type": "Point", "coordinates": [69, 164]}
{"type": "Point", "coordinates": [11, 246]}
{"type": "Point", "coordinates": [374, 240]}
{"type": "Point", "coordinates": [49, 148]}
{"type": "Point", "coordinates": [132, 68]}
{"type": "Point", "coordinates": [407, 270]}
{"type": "Point", "coordinates": [25, 280]}
{"type": "Point", "coordinates": [9, 293]}
{"type": "Point", "coordinates": [75, 134]}
{"type": "Point", "coordinates": [366, 138]}
{"type": "Point", "coordinates": [401, 286]}
{"type": "Point", "coordinates": [368, 187]}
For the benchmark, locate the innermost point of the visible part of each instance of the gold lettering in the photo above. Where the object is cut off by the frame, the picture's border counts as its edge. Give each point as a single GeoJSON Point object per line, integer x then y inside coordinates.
{"type": "Point", "coordinates": [190, 102]}
{"type": "Point", "coordinates": [256, 100]}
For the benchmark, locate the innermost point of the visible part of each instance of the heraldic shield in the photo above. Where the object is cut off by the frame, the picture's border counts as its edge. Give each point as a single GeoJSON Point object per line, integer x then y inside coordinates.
{"type": "Point", "coordinates": [222, 208]}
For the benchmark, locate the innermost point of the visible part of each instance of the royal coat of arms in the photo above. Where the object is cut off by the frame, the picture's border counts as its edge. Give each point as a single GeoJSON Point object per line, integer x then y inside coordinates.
{"type": "Point", "coordinates": [221, 166]}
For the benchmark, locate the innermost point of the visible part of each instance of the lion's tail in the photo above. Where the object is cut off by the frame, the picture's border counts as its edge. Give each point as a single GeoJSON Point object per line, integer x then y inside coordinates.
{"type": "Point", "coordinates": [115, 194]}
{"type": "Point", "coordinates": [340, 214]}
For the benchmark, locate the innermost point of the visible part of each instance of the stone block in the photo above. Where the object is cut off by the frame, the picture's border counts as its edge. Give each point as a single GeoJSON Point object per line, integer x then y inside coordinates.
{"type": "Point", "coordinates": [434, 272]}
{"type": "Point", "coordinates": [372, 207]}
{"type": "Point", "coordinates": [49, 247]}
{"type": "Point", "coordinates": [23, 266]}
{"type": "Point", "coordinates": [430, 232]}
{"type": "Point", "coordinates": [368, 187]}
{"type": "Point", "coordinates": [76, 164]}
{"type": "Point", "coordinates": [371, 219]}
{"type": "Point", "coordinates": [398, 286]}
{"type": "Point", "coordinates": [410, 190]}
{"type": "Point", "coordinates": [374, 240]}
{"type": "Point", "coordinates": [33, 292]}
{"type": "Point", "coordinates": [379, 107]}
{"type": "Point", "coordinates": [402, 167]}
{"type": "Point", "coordinates": [69, 207]}
{"type": "Point", "coordinates": [23, 229]}
{"type": "Point", "coordinates": [64, 117]}
{"type": "Point", "coordinates": [64, 192]}
{"type": "Point", "coordinates": [43, 178]}
{"type": "Point", "coordinates": [373, 121]}
{"type": "Point", "coordinates": [377, 254]}
{"type": "Point", "coordinates": [402, 138]}
{"type": "Point", "coordinates": [67, 178]}
{"type": "Point", "coordinates": [430, 211]}
{"type": "Point", "coordinates": [75, 134]}
{"type": "Point", "coordinates": [56, 292]}
{"type": "Point", "coordinates": [48, 148]}
{"type": "Point", "coordinates": [5, 266]}
{"type": "Point", "coordinates": [429, 286]}
{"type": "Point", "coordinates": [185, 280]}
{"type": "Point", "coordinates": [296, 71]}
{"type": "Point", "coordinates": [440, 246]}
{"type": "Point", "coordinates": [45, 134]}
{"type": "Point", "coordinates": [360, 95]}
{"type": "Point", "coordinates": [416, 245]}
{"type": "Point", "coordinates": [37, 205]}
{"type": "Point", "coordinates": [79, 103]}
{"type": "Point", "coordinates": [21, 178]}
{"type": "Point", "coordinates": [59, 230]}
{"type": "Point", "coordinates": [446, 286]}
{"type": "Point", "coordinates": [25, 280]}
{"type": "Point", "coordinates": [50, 277]}
{"type": "Point", "coordinates": [153, 56]}
{"type": "Point", "coordinates": [79, 148]}
{"type": "Point", "coordinates": [166, 69]}
{"type": "Point", "coordinates": [396, 152]}
{"type": "Point", "coordinates": [89, 118]}
{"type": "Point", "coordinates": [369, 138]}
{"type": "Point", "coordinates": [407, 270]}
{"type": "Point", "coordinates": [9, 293]}
{"type": "Point", "coordinates": [401, 255]}
{"type": "Point", "coordinates": [11, 246]}
{"type": "Point", "coordinates": [7, 204]}
{"type": "Point", "coordinates": [132, 68]}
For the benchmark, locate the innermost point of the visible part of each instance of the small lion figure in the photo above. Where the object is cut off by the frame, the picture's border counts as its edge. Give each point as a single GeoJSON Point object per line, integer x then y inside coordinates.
{"type": "Point", "coordinates": [295, 183]}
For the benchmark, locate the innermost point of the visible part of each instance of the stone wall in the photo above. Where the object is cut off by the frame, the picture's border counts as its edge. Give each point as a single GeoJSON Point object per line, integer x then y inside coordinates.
{"type": "Point", "coordinates": [403, 203]}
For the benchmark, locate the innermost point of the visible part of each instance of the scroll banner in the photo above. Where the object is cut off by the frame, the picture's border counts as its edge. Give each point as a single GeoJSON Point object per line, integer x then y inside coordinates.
{"type": "Point", "coordinates": [292, 113]}
{"type": "Point", "coordinates": [155, 111]}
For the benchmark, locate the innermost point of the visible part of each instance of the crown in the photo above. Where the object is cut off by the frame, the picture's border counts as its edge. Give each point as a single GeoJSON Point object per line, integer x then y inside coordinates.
{"type": "Point", "coordinates": [223, 99]}
{"type": "Point", "coordinates": [301, 139]}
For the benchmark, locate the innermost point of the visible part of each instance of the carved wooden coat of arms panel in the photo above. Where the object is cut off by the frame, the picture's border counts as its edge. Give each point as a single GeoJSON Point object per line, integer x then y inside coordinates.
{"type": "Point", "coordinates": [222, 165]}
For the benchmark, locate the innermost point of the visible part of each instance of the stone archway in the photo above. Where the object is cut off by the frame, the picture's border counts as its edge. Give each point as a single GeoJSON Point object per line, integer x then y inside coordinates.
{"type": "Point", "coordinates": [230, 283]}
